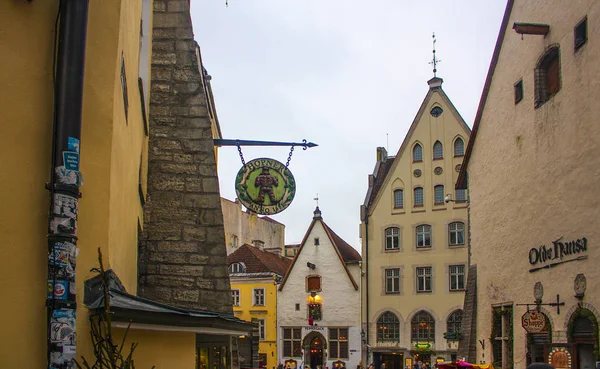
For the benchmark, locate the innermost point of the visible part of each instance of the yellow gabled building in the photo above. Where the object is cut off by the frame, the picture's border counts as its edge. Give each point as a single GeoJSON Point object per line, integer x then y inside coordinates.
{"type": "Point", "coordinates": [255, 275]}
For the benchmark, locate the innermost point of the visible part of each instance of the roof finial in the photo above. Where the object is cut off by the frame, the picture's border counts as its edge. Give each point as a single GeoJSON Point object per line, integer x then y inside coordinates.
{"type": "Point", "coordinates": [435, 60]}
{"type": "Point", "coordinates": [317, 199]}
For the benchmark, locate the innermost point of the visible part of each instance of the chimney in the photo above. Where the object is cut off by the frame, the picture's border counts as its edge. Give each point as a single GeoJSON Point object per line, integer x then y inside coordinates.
{"type": "Point", "coordinates": [381, 154]}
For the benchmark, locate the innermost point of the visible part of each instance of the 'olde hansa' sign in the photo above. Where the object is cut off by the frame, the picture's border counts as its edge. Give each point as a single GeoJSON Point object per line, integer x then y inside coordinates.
{"type": "Point", "coordinates": [265, 186]}
{"type": "Point", "coordinates": [534, 322]}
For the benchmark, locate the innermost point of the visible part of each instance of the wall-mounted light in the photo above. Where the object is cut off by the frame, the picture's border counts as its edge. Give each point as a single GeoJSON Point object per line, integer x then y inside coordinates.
{"type": "Point", "coordinates": [311, 265]}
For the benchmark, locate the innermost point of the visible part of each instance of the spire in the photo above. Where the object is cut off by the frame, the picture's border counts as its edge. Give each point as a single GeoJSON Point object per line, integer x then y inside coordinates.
{"type": "Point", "coordinates": [435, 60]}
{"type": "Point", "coordinates": [317, 214]}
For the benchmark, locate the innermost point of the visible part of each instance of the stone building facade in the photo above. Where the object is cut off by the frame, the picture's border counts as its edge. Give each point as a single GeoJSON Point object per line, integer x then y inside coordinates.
{"type": "Point", "coordinates": [414, 241]}
{"type": "Point", "coordinates": [318, 312]}
{"type": "Point", "coordinates": [244, 227]}
{"type": "Point", "coordinates": [532, 168]}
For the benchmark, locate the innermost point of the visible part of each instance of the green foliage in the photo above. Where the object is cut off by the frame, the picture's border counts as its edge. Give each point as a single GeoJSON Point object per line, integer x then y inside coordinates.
{"type": "Point", "coordinates": [107, 353]}
{"type": "Point", "coordinates": [579, 313]}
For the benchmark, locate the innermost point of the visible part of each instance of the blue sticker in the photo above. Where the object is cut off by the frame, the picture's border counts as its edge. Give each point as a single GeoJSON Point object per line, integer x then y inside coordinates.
{"type": "Point", "coordinates": [60, 290]}
{"type": "Point", "coordinates": [73, 144]}
{"type": "Point", "coordinates": [71, 160]}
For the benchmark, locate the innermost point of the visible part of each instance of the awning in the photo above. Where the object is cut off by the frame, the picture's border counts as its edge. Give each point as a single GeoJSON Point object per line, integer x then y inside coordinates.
{"type": "Point", "coordinates": [140, 313]}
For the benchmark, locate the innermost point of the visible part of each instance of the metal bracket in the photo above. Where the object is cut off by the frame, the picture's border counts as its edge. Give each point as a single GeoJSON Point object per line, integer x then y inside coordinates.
{"type": "Point", "coordinates": [228, 142]}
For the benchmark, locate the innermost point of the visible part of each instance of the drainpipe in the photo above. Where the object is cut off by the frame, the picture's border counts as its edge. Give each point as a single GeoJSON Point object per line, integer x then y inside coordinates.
{"type": "Point", "coordinates": [367, 281]}
{"type": "Point", "coordinates": [65, 181]}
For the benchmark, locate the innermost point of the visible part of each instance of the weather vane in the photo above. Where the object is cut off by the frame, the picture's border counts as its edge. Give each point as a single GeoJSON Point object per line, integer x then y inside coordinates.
{"type": "Point", "coordinates": [435, 60]}
{"type": "Point", "coordinates": [317, 199]}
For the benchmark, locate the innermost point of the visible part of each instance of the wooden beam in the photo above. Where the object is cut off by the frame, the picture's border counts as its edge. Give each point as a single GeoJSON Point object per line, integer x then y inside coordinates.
{"type": "Point", "coordinates": [531, 28]}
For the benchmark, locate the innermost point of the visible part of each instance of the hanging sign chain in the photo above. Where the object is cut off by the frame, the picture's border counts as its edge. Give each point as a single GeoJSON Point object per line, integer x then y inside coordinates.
{"type": "Point", "coordinates": [240, 151]}
{"type": "Point", "coordinates": [287, 163]}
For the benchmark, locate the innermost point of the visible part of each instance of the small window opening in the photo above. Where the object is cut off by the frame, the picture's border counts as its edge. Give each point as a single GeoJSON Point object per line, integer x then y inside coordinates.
{"type": "Point", "coordinates": [518, 92]}
{"type": "Point", "coordinates": [316, 241]}
{"type": "Point", "coordinates": [297, 307]}
{"type": "Point", "coordinates": [547, 76]}
{"type": "Point", "coordinates": [580, 34]}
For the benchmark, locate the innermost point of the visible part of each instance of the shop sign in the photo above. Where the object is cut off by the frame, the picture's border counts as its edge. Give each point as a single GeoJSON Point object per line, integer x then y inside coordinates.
{"type": "Point", "coordinates": [534, 321]}
{"type": "Point", "coordinates": [560, 358]}
{"type": "Point", "coordinates": [558, 253]}
{"type": "Point", "coordinates": [315, 328]}
{"type": "Point", "coordinates": [265, 186]}
{"type": "Point", "coordinates": [423, 346]}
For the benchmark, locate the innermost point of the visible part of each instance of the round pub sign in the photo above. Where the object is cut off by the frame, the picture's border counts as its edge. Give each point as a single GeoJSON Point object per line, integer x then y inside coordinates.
{"type": "Point", "coordinates": [265, 186]}
{"type": "Point", "coordinates": [534, 321]}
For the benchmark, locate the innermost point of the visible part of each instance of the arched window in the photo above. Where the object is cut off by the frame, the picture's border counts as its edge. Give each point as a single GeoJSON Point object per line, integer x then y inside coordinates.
{"type": "Point", "coordinates": [423, 327]}
{"type": "Point", "coordinates": [398, 199]}
{"type": "Point", "coordinates": [453, 325]}
{"type": "Point", "coordinates": [388, 328]}
{"type": "Point", "coordinates": [392, 238]}
{"type": "Point", "coordinates": [438, 150]}
{"type": "Point", "coordinates": [417, 153]}
{"type": "Point", "coordinates": [459, 147]}
{"type": "Point", "coordinates": [423, 236]}
{"type": "Point", "coordinates": [547, 76]}
{"type": "Point", "coordinates": [237, 268]}
{"type": "Point", "coordinates": [456, 233]}
{"type": "Point", "coordinates": [438, 192]}
{"type": "Point", "coordinates": [418, 200]}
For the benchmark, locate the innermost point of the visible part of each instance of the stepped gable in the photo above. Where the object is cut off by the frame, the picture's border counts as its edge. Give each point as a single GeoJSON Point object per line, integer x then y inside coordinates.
{"type": "Point", "coordinates": [259, 261]}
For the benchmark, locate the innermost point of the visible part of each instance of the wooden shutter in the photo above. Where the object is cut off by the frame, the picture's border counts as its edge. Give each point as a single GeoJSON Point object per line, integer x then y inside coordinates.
{"type": "Point", "coordinates": [553, 76]}
{"type": "Point", "coordinates": [313, 284]}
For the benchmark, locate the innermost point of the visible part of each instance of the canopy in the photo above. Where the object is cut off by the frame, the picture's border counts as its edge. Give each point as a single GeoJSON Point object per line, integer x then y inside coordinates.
{"type": "Point", "coordinates": [456, 365]}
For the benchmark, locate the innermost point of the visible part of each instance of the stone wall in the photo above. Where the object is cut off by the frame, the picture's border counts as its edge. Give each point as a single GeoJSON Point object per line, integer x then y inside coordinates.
{"type": "Point", "coordinates": [182, 248]}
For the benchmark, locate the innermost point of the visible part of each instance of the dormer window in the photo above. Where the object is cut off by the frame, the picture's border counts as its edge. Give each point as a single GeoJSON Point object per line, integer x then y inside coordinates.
{"type": "Point", "coordinates": [237, 268]}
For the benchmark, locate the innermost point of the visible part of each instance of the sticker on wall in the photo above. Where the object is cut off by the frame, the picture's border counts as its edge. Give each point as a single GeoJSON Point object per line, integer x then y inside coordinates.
{"type": "Point", "coordinates": [63, 255]}
{"type": "Point", "coordinates": [69, 177]}
{"type": "Point", "coordinates": [58, 289]}
{"type": "Point", "coordinates": [73, 144]}
{"type": "Point", "coordinates": [265, 186]}
{"type": "Point", "coordinates": [62, 326]}
{"type": "Point", "coordinates": [65, 215]}
{"type": "Point", "coordinates": [71, 160]}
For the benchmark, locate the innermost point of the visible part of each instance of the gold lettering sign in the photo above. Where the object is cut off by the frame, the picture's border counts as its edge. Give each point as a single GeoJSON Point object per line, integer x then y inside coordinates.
{"type": "Point", "coordinates": [265, 186]}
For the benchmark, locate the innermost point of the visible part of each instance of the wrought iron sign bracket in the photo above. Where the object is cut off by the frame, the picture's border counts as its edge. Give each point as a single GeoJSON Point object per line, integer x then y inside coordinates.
{"type": "Point", "coordinates": [556, 304]}
{"type": "Point", "coordinates": [229, 142]}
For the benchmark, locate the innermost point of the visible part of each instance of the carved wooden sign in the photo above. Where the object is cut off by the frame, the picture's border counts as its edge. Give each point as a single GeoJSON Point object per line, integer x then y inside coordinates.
{"type": "Point", "coordinates": [534, 322]}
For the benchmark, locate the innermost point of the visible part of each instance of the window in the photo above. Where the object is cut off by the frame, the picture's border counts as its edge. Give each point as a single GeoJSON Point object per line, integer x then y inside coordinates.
{"type": "Point", "coordinates": [438, 192]}
{"type": "Point", "coordinates": [502, 340]}
{"type": "Point", "coordinates": [392, 238]}
{"type": "Point", "coordinates": [124, 86]}
{"type": "Point", "coordinates": [292, 342]}
{"type": "Point", "coordinates": [316, 241]}
{"type": "Point", "coordinates": [259, 297]}
{"type": "Point", "coordinates": [314, 311]}
{"type": "Point", "coordinates": [459, 147]}
{"type": "Point", "coordinates": [547, 76]}
{"type": "Point", "coordinates": [417, 153]}
{"type": "Point", "coordinates": [453, 326]}
{"type": "Point", "coordinates": [234, 240]}
{"type": "Point", "coordinates": [423, 327]}
{"type": "Point", "coordinates": [237, 268]}
{"type": "Point", "coordinates": [338, 343]}
{"type": "Point", "coordinates": [424, 279]}
{"type": "Point", "coordinates": [438, 150]}
{"type": "Point", "coordinates": [456, 233]}
{"type": "Point", "coordinates": [297, 307]}
{"type": "Point", "coordinates": [581, 34]}
{"type": "Point", "coordinates": [261, 328]}
{"type": "Point", "coordinates": [461, 195]}
{"type": "Point", "coordinates": [457, 277]}
{"type": "Point", "coordinates": [423, 236]}
{"type": "Point", "coordinates": [418, 196]}
{"type": "Point", "coordinates": [235, 297]}
{"type": "Point", "coordinates": [436, 111]}
{"type": "Point", "coordinates": [313, 283]}
{"type": "Point", "coordinates": [392, 280]}
{"type": "Point", "coordinates": [388, 328]}
{"type": "Point", "coordinates": [398, 199]}
{"type": "Point", "coordinates": [518, 92]}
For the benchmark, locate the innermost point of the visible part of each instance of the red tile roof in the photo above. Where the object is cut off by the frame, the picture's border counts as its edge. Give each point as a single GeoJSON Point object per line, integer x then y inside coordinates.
{"type": "Point", "coordinates": [259, 261]}
{"type": "Point", "coordinates": [349, 253]}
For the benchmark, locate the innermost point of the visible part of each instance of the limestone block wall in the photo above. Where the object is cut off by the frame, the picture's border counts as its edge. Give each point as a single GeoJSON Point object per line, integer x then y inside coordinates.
{"type": "Point", "coordinates": [182, 249]}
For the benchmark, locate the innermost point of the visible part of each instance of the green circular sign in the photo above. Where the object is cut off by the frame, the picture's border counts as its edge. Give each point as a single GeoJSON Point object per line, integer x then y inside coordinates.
{"type": "Point", "coordinates": [265, 186]}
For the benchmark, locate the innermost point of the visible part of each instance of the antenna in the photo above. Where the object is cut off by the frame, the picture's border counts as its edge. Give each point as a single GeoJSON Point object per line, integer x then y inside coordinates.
{"type": "Point", "coordinates": [387, 142]}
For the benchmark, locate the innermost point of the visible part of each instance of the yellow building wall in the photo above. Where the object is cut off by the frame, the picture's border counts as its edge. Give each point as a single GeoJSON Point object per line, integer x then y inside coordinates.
{"type": "Point", "coordinates": [441, 302]}
{"type": "Point", "coordinates": [246, 311]}
{"type": "Point", "coordinates": [110, 208]}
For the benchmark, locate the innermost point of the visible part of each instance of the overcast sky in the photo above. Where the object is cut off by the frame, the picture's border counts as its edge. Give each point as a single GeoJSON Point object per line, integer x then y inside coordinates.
{"type": "Point", "coordinates": [348, 75]}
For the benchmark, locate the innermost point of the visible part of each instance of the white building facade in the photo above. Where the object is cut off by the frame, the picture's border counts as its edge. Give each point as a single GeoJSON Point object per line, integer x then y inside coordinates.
{"type": "Point", "coordinates": [318, 312]}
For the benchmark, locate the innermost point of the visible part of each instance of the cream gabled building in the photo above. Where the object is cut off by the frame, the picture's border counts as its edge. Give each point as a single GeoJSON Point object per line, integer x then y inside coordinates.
{"type": "Point", "coordinates": [414, 243]}
{"type": "Point", "coordinates": [533, 166]}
